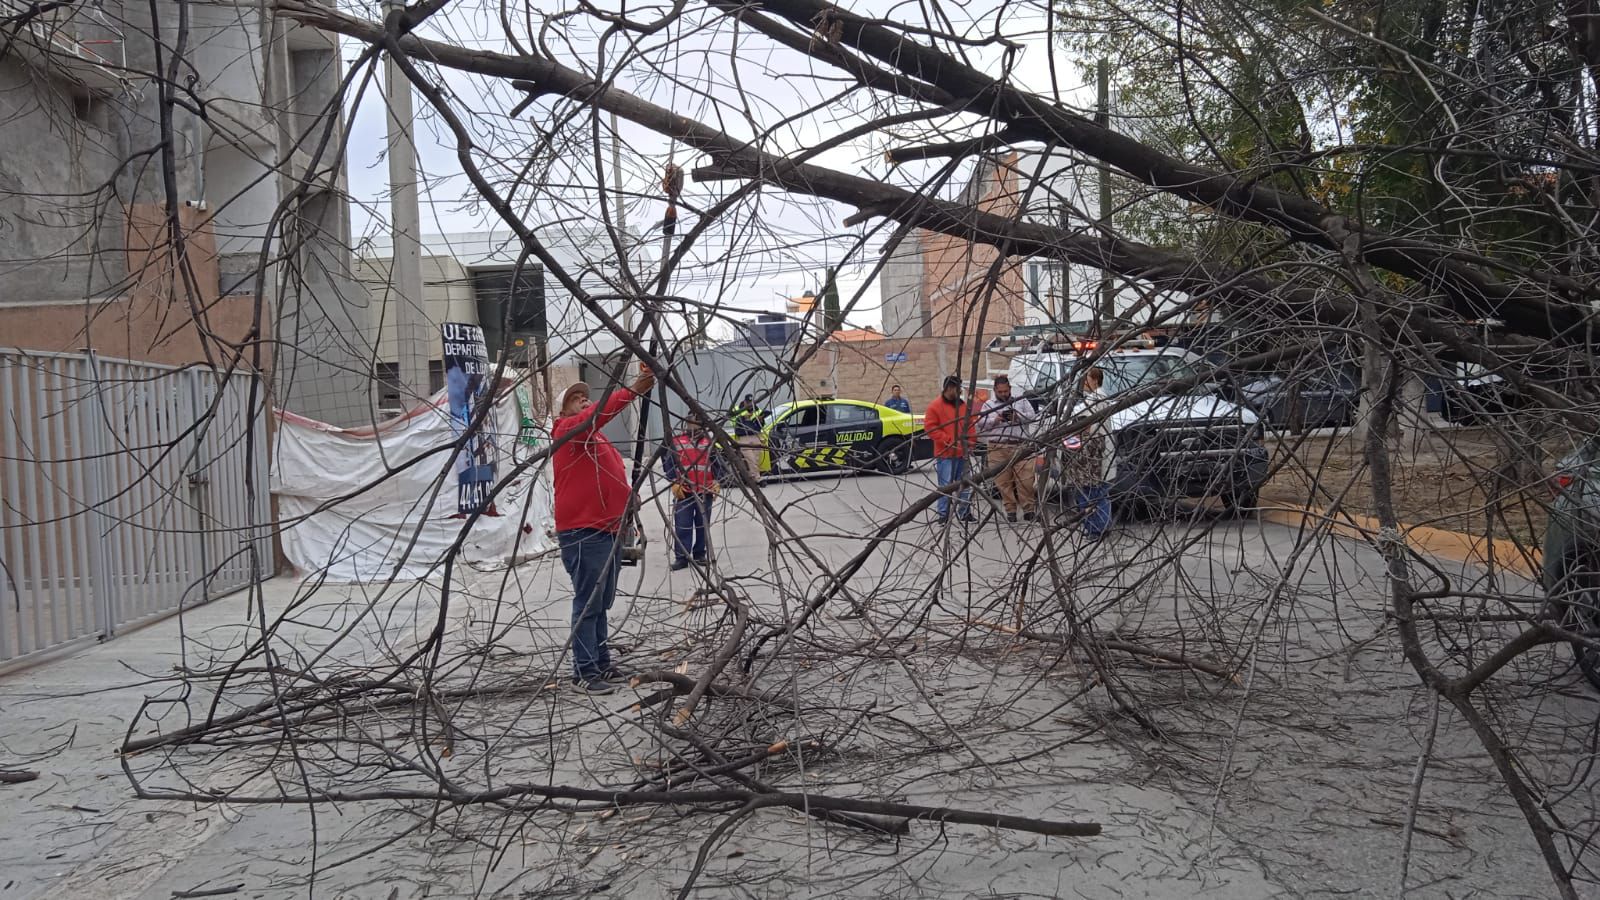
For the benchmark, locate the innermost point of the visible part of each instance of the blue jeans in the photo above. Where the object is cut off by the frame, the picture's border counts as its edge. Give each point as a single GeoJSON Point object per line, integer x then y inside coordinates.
{"type": "Point", "coordinates": [1095, 503]}
{"type": "Point", "coordinates": [591, 558]}
{"type": "Point", "coordinates": [691, 524]}
{"type": "Point", "coordinates": [949, 471]}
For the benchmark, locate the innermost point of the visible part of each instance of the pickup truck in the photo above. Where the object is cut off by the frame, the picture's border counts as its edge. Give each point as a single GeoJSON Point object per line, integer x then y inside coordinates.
{"type": "Point", "coordinates": [1190, 444]}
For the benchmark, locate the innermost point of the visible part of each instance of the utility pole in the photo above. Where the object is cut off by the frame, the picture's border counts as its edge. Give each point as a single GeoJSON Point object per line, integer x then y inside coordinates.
{"type": "Point", "coordinates": [624, 243]}
{"type": "Point", "coordinates": [413, 337]}
{"type": "Point", "coordinates": [1102, 117]}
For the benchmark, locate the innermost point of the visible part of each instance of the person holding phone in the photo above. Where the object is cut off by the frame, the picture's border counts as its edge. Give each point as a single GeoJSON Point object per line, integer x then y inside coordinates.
{"type": "Point", "coordinates": [1005, 422]}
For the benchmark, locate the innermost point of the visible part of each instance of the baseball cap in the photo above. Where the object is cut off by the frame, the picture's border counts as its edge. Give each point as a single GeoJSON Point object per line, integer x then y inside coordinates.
{"type": "Point", "coordinates": [576, 386]}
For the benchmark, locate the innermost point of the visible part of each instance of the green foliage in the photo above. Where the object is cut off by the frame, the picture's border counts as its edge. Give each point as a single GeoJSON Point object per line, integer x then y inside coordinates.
{"type": "Point", "coordinates": [832, 318]}
{"type": "Point", "coordinates": [1437, 118]}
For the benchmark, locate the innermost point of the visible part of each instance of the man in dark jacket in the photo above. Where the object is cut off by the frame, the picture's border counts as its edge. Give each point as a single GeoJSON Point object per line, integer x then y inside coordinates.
{"type": "Point", "coordinates": [592, 492]}
{"type": "Point", "coordinates": [897, 400]}
{"type": "Point", "coordinates": [747, 422]}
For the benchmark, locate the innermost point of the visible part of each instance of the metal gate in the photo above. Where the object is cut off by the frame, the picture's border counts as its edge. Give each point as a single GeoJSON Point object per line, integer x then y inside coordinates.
{"type": "Point", "coordinates": [127, 491]}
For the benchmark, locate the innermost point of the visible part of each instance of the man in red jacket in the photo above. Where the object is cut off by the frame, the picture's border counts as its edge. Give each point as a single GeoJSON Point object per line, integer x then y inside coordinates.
{"type": "Point", "coordinates": [695, 468]}
{"type": "Point", "coordinates": [592, 492]}
{"type": "Point", "coordinates": [950, 428]}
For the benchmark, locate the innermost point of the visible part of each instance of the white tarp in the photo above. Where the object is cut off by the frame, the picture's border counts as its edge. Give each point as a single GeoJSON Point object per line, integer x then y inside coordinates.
{"type": "Point", "coordinates": [374, 535]}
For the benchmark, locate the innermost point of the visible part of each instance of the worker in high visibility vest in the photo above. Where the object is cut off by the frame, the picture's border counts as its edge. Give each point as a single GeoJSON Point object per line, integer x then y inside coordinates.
{"type": "Point", "coordinates": [695, 469]}
{"type": "Point", "coordinates": [748, 420]}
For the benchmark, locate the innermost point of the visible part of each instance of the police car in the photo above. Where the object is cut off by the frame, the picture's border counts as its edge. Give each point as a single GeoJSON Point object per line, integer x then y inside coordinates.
{"type": "Point", "coordinates": [818, 435]}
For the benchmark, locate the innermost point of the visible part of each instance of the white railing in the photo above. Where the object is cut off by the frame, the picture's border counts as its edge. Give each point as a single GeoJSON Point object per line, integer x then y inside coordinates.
{"type": "Point", "coordinates": [127, 491]}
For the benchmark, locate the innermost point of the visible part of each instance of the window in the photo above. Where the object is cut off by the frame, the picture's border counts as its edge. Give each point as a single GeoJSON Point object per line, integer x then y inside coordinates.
{"type": "Point", "coordinates": [849, 413]}
{"type": "Point", "coordinates": [1123, 373]}
{"type": "Point", "coordinates": [1046, 281]}
{"type": "Point", "coordinates": [387, 376]}
{"type": "Point", "coordinates": [805, 417]}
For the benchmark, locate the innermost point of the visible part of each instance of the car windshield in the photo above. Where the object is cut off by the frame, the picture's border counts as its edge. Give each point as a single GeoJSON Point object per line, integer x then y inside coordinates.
{"type": "Point", "coordinates": [1125, 373]}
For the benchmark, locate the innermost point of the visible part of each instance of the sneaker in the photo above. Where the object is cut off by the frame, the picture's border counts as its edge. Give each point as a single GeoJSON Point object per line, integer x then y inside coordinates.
{"type": "Point", "coordinates": [597, 686]}
{"type": "Point", "coordinates": [940, 520]}
{"type": "Point", "coordinates": [1011, 517]}
{"type": "Point", "coordinates": [968, 517]}
{"type": "Point", "coordinates": [679, 564]}
{"type": "Point", "coordinates": [616, 673]}
{"type": "Point", "coordinates": [1027, 516]}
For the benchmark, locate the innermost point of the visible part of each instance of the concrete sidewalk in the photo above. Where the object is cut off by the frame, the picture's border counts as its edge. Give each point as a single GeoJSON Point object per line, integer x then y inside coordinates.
{"type": "Point", "coordinates": [65, 719]}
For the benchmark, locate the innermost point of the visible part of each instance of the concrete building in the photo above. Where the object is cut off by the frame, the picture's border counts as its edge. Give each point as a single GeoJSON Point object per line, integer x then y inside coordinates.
{"type": "Point", "coordinates": [769, 330]}
{"type": "Point", "coordinates": [475, 278]}
{"type": "Point", "coordinates": [258, 262]}
{"type": "Point", "coordinates": [900, 287]}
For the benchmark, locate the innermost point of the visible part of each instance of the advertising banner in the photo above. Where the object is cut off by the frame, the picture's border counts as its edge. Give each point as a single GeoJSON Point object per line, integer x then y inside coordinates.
{"type": "Point", "coordinates": [466, 382]}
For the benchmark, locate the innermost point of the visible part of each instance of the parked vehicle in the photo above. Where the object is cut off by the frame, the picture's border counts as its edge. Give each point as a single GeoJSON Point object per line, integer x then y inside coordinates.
{"type": "Point", "coordinates": [1328, 397]}
{"type": "Point", "coordinates": [1571, 566]}
{"type": "Point", "coordinates": [1190, 444]}
{"type": "Point", "coordinates": [1477, 396]}
{"type": "Point", "coordinates": [817, 435]}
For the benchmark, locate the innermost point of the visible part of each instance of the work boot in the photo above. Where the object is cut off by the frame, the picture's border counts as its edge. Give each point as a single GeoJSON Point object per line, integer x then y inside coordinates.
{"type": "Point", "coordinates": [679, 564]}
{"type": "Point", "coordinates": [1011, 517]}
{"type": "Point", "coordinates": [1027, 516]}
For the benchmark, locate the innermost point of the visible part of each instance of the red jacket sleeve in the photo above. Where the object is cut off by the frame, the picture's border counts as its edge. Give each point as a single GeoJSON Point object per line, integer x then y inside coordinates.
{"type": "Point", "coordinates": [936, 426]}
{"type": "Point", "coordinates": [589, 421]}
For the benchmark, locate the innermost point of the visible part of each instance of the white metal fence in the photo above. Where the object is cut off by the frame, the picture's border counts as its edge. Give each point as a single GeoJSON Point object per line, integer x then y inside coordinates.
{"type": "Point", "coordinates": [127, 490]}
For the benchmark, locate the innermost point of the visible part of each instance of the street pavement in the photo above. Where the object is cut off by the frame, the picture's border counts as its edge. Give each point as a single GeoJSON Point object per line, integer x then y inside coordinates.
{"type": "Point", "coordinates": [1290, 781]}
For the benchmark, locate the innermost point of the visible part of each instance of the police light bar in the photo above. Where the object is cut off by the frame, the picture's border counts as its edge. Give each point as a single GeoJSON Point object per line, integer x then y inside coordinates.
{"type": "Point", "coordinates": [1141, 343]}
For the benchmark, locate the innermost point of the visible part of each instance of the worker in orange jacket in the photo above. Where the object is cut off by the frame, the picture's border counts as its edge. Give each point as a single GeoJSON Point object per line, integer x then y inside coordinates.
{"type": "Point", "coordinates": [949, 425]}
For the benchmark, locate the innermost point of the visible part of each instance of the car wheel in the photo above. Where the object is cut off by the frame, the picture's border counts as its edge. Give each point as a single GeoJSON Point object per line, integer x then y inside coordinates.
{"type": "Point", "coordinates": [1128, 508]}
{"type": "Point", "coordinates": [783, 464]}
{"type": "Point", "coordinates": [895, 459]}
{"type": "Point", "coordinates": [1578, 600]}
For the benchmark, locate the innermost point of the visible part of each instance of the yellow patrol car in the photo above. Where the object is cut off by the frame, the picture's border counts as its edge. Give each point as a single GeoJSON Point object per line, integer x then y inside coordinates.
{"type": "Point", "coordinates": [818, 435]}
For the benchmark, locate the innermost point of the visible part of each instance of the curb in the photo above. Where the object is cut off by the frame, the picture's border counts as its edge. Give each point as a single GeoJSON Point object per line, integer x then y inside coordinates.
{"type": "Point", "coordinates": [1504, 553]}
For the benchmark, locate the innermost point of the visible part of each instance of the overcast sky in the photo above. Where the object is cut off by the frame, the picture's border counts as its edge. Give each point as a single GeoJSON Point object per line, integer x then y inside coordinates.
{"type": "Point", "coordinates": [770, 249]}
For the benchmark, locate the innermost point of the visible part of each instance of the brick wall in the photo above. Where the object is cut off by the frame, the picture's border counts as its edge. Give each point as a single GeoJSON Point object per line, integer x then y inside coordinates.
{"type": "Point", "coordinates": [961, 280]}
{"type": "Point", "coordinates": [861, 370]}
{"type": "Point", "coordinates": [152, 320]}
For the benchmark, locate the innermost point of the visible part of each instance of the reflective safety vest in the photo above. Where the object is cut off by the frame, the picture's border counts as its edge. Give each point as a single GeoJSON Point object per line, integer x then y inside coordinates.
{"type": "Point", "coordinates": [694, 463]}
{"type": "Point", "coordinates": [746, 422]}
